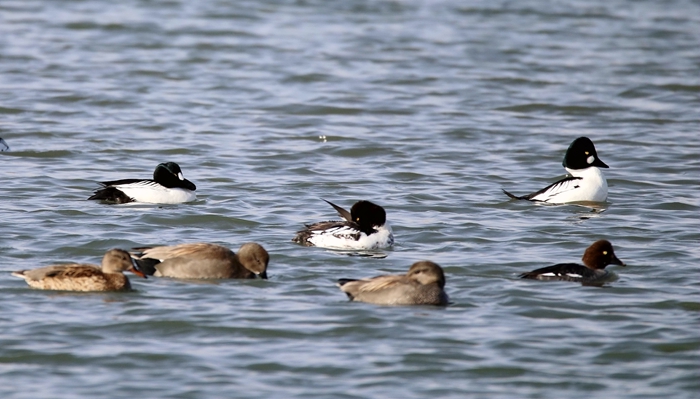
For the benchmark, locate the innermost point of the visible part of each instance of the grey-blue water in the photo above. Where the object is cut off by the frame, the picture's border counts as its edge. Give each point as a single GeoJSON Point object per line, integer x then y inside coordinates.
{"type": "Point", "coordinates": [427, 108]}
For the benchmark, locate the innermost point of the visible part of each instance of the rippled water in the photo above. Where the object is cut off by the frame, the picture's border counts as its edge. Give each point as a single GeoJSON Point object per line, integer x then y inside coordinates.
{"type": "Point", "coordinates": [428, 108]}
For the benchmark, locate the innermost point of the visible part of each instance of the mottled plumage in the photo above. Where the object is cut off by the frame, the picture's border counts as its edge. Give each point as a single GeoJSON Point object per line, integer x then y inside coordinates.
{"type": "Point", "coordinates": [364, 228]}
{"type": "Point", "coordinates": [84, 277]}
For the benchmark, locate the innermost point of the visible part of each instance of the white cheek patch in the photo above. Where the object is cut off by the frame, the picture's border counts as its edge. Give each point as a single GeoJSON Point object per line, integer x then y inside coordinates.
{"type": "Point", "coordinates": [181, 177]}
{"type": "Point", "coordinates": [590, 159]}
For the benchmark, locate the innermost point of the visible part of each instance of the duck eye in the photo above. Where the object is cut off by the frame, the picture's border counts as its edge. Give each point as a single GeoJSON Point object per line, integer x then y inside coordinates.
{"type": "Point", "coordinates": [586, 152]}
{"type": "Point", "coordinates": [357, 220]}
{"type": "Point", "coordinates": [605, 252]}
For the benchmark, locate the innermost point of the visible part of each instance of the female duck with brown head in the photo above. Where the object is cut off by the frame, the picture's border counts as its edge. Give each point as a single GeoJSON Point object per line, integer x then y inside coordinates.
{"type": "Point", "coordinates": [597, 256]}
{"type": "Point", "coordinates": [203, 261]}
{"type": "Point", "coordinates": [424, 284]}
{"type": "Point", "coordinates": [84, 277]}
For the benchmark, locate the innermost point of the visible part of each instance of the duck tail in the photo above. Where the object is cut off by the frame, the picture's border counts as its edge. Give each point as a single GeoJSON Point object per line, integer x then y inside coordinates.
{"type": "Point", "coordinates": [147, 265]}
{"type": "Point", "coordinates": [111, 194]}
{"type": "Point", "coordinates": [513, 196]}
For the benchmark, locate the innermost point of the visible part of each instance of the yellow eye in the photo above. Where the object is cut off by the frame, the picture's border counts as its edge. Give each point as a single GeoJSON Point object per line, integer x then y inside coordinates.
{"type": "Point", "coordinates": [605, 252]}
{"type": "Point", "coordinates": [586, 152]}
{"type": "Point", "coordinates": [357, 220]}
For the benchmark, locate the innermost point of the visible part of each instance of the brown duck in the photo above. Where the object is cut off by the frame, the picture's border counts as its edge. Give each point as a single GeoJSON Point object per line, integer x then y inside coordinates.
{"type": "Point", "coordinates": [84, 277]}
{"type": "Point", "coordinates": [203, 261]}
{"type": "Point", "coordinates": [423, 285]}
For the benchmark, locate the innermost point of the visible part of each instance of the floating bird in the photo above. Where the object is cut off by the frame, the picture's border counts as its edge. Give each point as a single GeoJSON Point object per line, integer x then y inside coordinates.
{"type": "Point", "coordinates": [597, 256]}
{"type": "Point", "coordinates": [168, 186]}
{"type": "Point", "coordinates": [586, 183]}
{"type": "Point", "coordinates": [84, 277]}
{"type": "Point", "coordinates": [423, 285]}
{"type": "Point", "coordinates": [364, 228]}
{"type": "Point", "coordinates": [203, 261]}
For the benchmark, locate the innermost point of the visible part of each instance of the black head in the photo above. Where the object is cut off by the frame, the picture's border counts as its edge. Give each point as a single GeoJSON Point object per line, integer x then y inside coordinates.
{"type": "Point", "coordinates": [581, 155]}
{"type": "Point", "coordinates": [170, 175]}
{"type": "Point", "coordinates": [600, 254]}
{"type": "Point", "coordinates": [368, 215]}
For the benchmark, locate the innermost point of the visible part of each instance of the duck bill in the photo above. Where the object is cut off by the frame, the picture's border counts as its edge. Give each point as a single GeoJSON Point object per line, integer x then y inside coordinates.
{"type": "Point", "coordinates": [616, 261]}
{"type": "Point", "coordinates": [263, 275]}
{"type": "Point", "coordinates": [137, 272]}
{"type": "Point", "coordinates": [190, 186]}
{"type": "Point", "coordinates": [597, 162]}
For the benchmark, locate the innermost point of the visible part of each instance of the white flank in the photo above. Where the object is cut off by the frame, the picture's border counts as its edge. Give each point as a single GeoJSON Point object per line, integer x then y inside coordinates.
{"type": "Point", "coordinates": [154, 193]}
{"type": "Point", "coordinates": [591, 187]}
{"type": "Point", "coordinates": [344, 238]}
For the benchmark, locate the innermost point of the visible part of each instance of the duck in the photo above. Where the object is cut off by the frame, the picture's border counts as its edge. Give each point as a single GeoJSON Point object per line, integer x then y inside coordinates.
{"type": "Point", "coordinates": [3, 145]}
{"type": "Point", "coordinates": [84, 277]}
{"type": "Point", "coordinates": [168, 186]}
{"type": "Point", "coordinates": [585, 183]}
{"type": "Point", "coordinates": [203, 261]}
{"type": "Point", "coordinates": [596, 258]}
{"type": "Point", "coordinates": [424, 284]}
{"type": "Point", "coordinates": [363, 228]}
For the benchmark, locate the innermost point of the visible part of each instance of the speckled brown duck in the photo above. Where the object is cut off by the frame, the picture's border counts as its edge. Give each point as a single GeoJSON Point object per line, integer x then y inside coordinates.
{"type": "Point", "coordinates": [84, 277]}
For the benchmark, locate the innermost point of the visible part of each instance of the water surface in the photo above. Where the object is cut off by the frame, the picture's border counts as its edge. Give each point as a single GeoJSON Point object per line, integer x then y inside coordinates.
{"type": "Point", "coordinates": [427, 108]}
